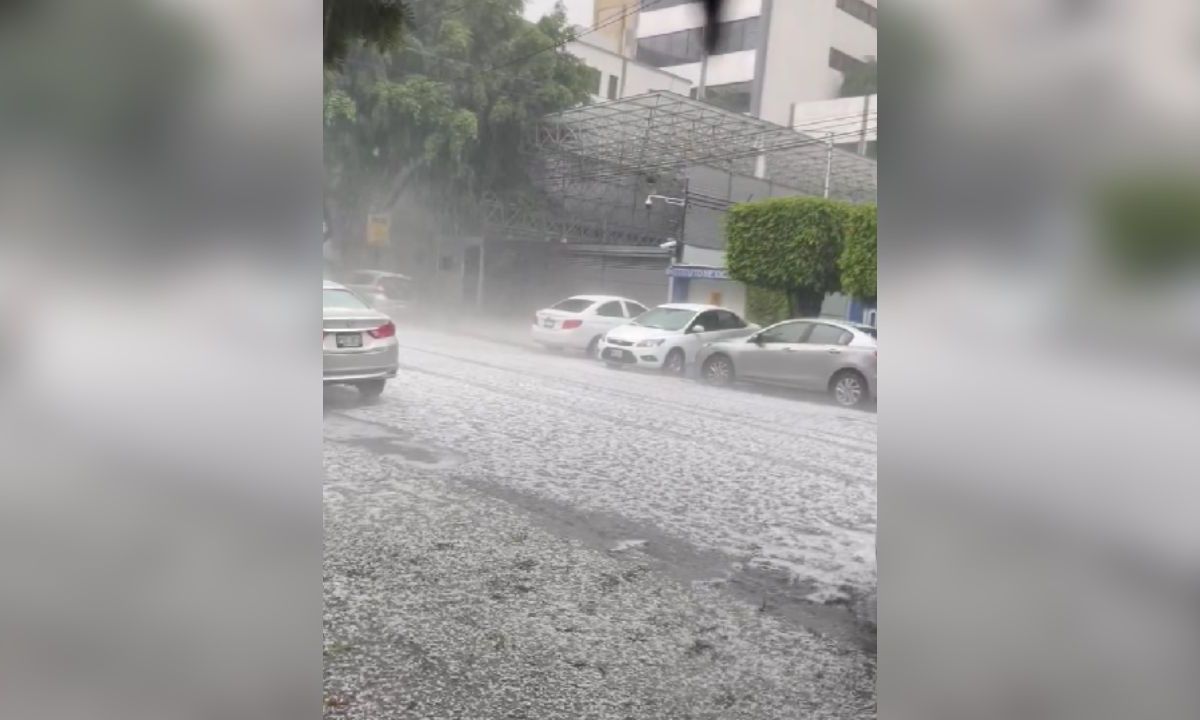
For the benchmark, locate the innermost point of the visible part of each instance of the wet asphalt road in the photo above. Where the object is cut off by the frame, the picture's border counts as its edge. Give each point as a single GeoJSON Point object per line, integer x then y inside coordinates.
{"type": "Point", "coordinates": [518, 534]}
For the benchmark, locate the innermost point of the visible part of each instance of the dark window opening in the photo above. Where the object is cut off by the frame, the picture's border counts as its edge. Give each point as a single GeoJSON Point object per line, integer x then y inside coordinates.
{"type": "Point", "coordinates": [861, 10]}
{"type": "Point", "coordinates": [844, 62]}
{"type": "Point", "coordinates": [734, 96]}
{"type": "Point", "coordinates": [687, 46]}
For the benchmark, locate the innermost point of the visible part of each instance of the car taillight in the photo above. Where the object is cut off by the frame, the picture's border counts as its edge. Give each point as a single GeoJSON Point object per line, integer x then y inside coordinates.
{"type": "Point", "coordinates": [385, 330]}
{"type": "Point", "coordinates": [571, 324]}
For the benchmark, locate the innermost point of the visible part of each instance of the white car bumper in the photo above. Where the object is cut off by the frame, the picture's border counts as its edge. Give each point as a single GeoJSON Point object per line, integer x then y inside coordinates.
{"type": "Point", "coordinates": [633, 356]}
{"type": "Point", "coordinates": [575, 338]}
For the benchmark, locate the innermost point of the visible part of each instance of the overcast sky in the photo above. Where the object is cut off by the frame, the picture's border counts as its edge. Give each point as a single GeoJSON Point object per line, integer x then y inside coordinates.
{"type": "Point", "coordinates": [579, 12]}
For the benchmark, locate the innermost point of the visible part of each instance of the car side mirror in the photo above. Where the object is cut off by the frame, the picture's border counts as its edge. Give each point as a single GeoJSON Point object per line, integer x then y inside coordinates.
{"type": "Point", "coordinates": [756, 338]}
{"type": "Point", "coordinates": [697, 329]}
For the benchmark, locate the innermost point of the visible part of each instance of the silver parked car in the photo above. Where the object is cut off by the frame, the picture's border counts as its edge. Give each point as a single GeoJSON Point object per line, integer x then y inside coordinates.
{"type": "Point", "coordinates": [358, 341]}
{"type": "Point", "coordinates": [818, 354]}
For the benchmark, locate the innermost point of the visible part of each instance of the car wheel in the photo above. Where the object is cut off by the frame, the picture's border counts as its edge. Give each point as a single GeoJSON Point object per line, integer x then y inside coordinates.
{"type": "Point", "coordinates": [849, 389]}
{"type": "Point", "coordinates": [718, 370]}
{"type": "Point", "coordinates": [371, 389]}
{"type": "Point", "coordinates": [593, 348]}
{"type": "Point", "coordinates": [674, 363]}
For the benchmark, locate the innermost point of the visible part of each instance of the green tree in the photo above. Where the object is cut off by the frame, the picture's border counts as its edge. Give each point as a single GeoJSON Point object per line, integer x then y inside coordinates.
{"type": "Point", "coordinates": [376, 23]}
{"type": "Point", "coordinates": [788, 244]}
{"type": "Point", "coordinates": [859, 260]}
{"type": "Point", "coordinates": [445, 112]}
{"type": "Point", "coordinates": [1150, 225]}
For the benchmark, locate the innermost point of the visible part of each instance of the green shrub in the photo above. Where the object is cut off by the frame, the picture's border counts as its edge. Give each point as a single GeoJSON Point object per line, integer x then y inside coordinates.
{"type": "Point", "coordinates": [859, 260]}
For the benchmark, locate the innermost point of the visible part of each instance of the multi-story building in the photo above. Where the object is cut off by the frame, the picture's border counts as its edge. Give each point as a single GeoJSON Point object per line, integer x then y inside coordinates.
{"type": "Point", "coordinates": [616, 75]}
{"type": "Point", "coordinates": [771, 56]}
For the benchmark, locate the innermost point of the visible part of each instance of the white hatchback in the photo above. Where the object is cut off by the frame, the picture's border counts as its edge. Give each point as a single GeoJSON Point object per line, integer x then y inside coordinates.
{"type": "Point", "coordinates": [579, 322]}
{"type": "Point", "coordinates": [670, 336]}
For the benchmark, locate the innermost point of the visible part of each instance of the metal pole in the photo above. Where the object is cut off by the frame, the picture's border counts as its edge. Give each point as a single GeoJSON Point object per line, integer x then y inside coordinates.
{"type": "Point", "coordinates": [828, 161]}
{"type": "Point", "coordinates": [682, 221]}
{"type": "Point", "coordinates": [862, 138]}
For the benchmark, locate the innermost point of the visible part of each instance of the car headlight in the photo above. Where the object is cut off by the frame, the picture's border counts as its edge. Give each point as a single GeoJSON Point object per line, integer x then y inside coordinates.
{"type": "Point", "coordinates": [652, 343]}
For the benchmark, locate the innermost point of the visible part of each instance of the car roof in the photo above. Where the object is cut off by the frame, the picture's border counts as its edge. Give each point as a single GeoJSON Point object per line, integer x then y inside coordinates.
{"type": "Point", "coordinates": [596, 298]}
{"type": "Point", "coordinates": [382, 273]}
{"type": "Point", "coordinates": [844, 324]}
{"type": "Point", "coordinates": [694, 307]}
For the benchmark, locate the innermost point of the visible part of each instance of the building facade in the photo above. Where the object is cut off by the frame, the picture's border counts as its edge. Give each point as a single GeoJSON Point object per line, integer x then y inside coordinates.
{"type": "Point", "coordinates": [772, 54]}
{"type": "Point", "coordinates": [617, 76]}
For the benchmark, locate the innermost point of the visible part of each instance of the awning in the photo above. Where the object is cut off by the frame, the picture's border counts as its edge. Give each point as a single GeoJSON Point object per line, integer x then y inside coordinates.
{"type": "Point", "coordinates": [704, 272]}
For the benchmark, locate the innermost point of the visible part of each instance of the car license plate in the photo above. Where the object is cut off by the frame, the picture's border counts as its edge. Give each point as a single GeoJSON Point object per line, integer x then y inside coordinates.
{"type": "Point", "coordinates": [349, 340]}
{"type": "Point", "coordinates": [548, 323]}
{"type": "Point", "coordinates": [613, 354]}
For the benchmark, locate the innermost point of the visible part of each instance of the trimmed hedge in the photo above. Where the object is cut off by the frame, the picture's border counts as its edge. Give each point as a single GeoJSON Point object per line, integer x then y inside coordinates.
{"type": "Point", "coordinates": [859, 261]}
{"type": "Point", "coordinates": [798, 246]}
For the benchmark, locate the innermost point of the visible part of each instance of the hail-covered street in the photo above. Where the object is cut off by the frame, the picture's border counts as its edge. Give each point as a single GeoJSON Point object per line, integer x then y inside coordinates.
{"type": "Point", "coordinates": [513, 533]}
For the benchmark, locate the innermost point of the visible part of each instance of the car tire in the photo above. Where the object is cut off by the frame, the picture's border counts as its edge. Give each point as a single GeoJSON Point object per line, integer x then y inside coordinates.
{"type": "Point", "coordinates": [849, 388]}
{"type": "Point", "coordinates": [718, 370]}
{"type": "Point", "coordinates": [371, 389]}
{"type": "Point", "coordinates": [675, 363]}
{"type": "Point", "coordinates": [593, 348]}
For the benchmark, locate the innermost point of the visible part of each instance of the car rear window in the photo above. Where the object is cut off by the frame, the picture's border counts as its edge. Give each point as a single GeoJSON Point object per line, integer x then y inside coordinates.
{"type": "Point", "coordinates": [572, 305]}
{"type": "Point", "coordinates": [873, 332]}
{"type": "Point", "coordinates": [342, 299]}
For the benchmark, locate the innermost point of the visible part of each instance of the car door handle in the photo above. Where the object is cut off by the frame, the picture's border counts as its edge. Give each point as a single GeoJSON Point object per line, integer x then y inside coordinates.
{"type": "Point", "coordinates": [789, 348]}
{"type": "Point", "coordinates": [834, 351]}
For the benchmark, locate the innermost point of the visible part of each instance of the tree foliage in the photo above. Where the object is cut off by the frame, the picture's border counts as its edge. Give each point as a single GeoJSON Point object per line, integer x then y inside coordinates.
{"type": "Point", "coordinates": [445, 112]}
{"type": "Point", "coordinates": [859, 260]}
{"type": "Point", "coordinates": [790, 244]}
{"type": "Point", "coordinates": [375, 23]}
{"type": "Point", "coordinates": [1150, 226]}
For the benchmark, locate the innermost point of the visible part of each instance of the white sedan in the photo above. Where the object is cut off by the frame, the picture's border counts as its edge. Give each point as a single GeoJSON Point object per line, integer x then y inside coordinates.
{"type": "Point", "coordinates": [579, 322]}
{"type": "Point", "coordinates": [669, 336]}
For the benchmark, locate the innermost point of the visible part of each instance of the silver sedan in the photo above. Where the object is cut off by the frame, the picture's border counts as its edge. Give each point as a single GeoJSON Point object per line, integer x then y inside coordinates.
{"type": "Point", "coordinates": [358, 342]}
{"type": "Point", "coordinates": [817, 354]}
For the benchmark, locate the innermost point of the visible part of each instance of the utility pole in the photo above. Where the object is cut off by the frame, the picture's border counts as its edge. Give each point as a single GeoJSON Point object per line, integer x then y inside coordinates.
{"type": "Point", "coordinates": [828, 161]}
{"type": "Point", "coordinates": [862, 138]}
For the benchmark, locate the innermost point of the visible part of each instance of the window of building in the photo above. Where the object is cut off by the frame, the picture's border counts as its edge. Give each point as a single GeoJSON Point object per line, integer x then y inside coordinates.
{"type": "Point", "coordinates": [652, 5]}
{"type": "Point", "coordinates": [612, 87]}
{"type": "Point", "coordinates": [862, 10]}
{"type": "Point", "coordinates": [843, 62]}
{"type": "Point", "coordinates": [733, 96]}
{"type": "Point", "coordinates": [687, 46]}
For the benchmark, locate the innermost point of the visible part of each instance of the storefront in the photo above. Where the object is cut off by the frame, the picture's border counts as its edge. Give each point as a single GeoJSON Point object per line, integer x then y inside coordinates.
{"type": "Point", "coordinates": [706, 284]}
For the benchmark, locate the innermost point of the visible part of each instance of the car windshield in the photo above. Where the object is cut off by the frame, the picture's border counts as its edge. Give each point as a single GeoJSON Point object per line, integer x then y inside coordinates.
{"type": "Point", "coordinates": [342, 299]}
{"type": "Point", "coordinates": [573, 305]}
{"type": "Point", "coordinates": [663, 318]}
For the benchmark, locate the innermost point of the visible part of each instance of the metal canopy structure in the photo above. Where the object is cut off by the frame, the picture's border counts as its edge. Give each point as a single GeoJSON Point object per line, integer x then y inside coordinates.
{"type": "Point", "coordinates": [662, 132]}
{"type": "Point", "coordinates": [595, 165]}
